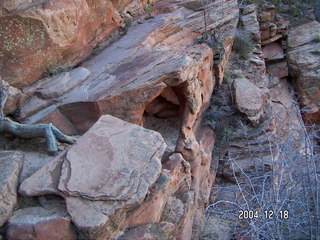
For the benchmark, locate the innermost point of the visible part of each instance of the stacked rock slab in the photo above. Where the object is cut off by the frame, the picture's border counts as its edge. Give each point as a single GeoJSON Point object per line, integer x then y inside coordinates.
{"type": "Point", "coordinates": [106, 173]}
{"type": "Point", "coordinates": [273, 31]}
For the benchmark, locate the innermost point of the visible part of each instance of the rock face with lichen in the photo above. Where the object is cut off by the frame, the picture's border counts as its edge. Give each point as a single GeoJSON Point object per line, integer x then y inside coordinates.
{"type": "Point", "coordinates": [47, 37]}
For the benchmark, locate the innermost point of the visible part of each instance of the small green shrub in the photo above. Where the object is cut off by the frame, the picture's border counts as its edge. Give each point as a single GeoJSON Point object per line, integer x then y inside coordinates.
{"type": "Point", "coordinates": [243, 44]}
{"type": "Point", "coordinates": [317, 38]}
{"type": "Point", "coordinates": [230, 74]}
{"type": "Point", "coordinates": [55, 69]}
{"type": "Point", "coordinates": [148, 8]}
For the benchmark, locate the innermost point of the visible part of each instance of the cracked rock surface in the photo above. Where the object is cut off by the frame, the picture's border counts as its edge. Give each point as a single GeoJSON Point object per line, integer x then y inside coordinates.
{"type": "Point", "coordinates": [10, 167]}
{"type": "Point", "coordinates": [107, 172]}
{"type": "Point", "coordinates": [115, 160]}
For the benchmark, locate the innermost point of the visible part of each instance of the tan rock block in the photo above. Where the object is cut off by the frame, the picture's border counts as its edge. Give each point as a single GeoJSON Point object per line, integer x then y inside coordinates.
{"type": "Point", "coordinates": [265, 17]}
{"type": "Point", "coordinates": [10, 167]}
{"type": "Point", "coordinates": [37, 223]}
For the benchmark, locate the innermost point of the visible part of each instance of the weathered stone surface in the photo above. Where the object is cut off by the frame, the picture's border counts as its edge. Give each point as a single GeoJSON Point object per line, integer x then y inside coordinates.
{"type": "Point", "coordinates": [304, 65]}
{"type": "Point", "coordinates": [248, 98]}
{"type": "Point", "coordinates": [256, 71]}
{"type": "Point", "coordinates": [56, 118]}
{"type": "Point", "coordinates": [176, 171]}
{"type": "Point", "coordinates": [186, 206]}
{"type": "Point", "coordinates": [15, 97]}
{"type": "Point", "coordinates": [272, 39]}
{"type": "Point", "coordinates": [62, 83]}
{"type": "Point", "coordinates": [151, 209]}
{"type": "Point", "coordinates": [264, 26]}
{"type": "Point", "coordinates": [278, 69]}
{"type": "Point", "coordinates": [265, 16]}
{"type": "Point", "coordinates": [252, 148]}
{"type": "Point", "coordinates": [135, 70]}
{"type": "Point", "coordinates": [273, 30]}
{"type": "Point", "coordinates": [97, 219]}
{"type": "Point", "coordinates": [273, 52]}
{"type": "Point", "coordinates": [179, 210]}
{"type": "Point", "coordinates": [33, 161]}
{"type": "Point", "coordinates": [282, 26]}
{"type": "Point", "coordinates": [246, 9]}
{"type": "Point", "coordinates": [180, 170]}
{"type": "Point", "coordinates": [114, 164]}
{"type": "Point", "coordinates": [157, 231]}
{"type": "Point", "coordinates": [156, 59]}
{"type": "Point", "coordinates": [251, 26]}
{"type": "Point", "coordinates": [45, 180]}
{"type": "Point", "coordinates": [38, 223]}
{"type": "Point", "coordinates": [48, 37]}
{"type": "Point", "coordinates": [120, 163]}
{"type": "Point", "coordinates": [264, 34]}
{"type": "Point", "coordinates": [203, 173]}
{"type": "Point", "coordinates": [10, 167]}
{"type": "Point", "coordinates": [32, 105]}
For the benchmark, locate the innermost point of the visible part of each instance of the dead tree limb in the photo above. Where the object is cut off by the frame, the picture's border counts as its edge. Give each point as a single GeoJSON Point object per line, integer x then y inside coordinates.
{"type": "Point", "coordinates": [47, 131]}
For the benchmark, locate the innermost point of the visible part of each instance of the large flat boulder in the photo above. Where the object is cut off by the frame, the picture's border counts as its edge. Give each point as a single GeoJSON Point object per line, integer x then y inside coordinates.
{"type": "Point", "coordinates": [304, 65]}
{"type": "Point", "coordinates": [114, 160]}
{"type": "Point", "coordinates": [249, 99]}
{"type": "Point", "coordinates": [105, 174]}
{"type": "Point", "coordinates": [10, 167]}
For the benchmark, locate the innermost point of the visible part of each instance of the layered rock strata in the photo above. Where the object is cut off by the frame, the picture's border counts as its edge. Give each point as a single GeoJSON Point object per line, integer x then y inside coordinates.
{"type": "Point", "coordinates": [254, 115]}
{"type": "Point", "coordinates": [153, 71]}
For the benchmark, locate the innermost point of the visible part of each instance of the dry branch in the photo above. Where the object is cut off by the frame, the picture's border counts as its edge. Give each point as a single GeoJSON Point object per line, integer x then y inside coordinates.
{"type": "Point", "coordinates": [47, 131]}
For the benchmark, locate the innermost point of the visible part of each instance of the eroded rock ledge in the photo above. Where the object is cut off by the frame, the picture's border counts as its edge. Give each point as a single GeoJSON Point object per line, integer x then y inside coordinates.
{"type": "Point", "coordinates": [120, 176]}
{"type": "Point", "coordinates": [154, 57]}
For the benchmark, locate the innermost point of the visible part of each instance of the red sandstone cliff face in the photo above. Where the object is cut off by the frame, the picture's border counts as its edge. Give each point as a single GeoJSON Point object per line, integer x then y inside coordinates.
{"type": "Point", "coordinates": [45, 37]}
{"type": "Point", "coordinates": [120, 176]}
{"type": "Point", "coordinates": [155, 70]}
